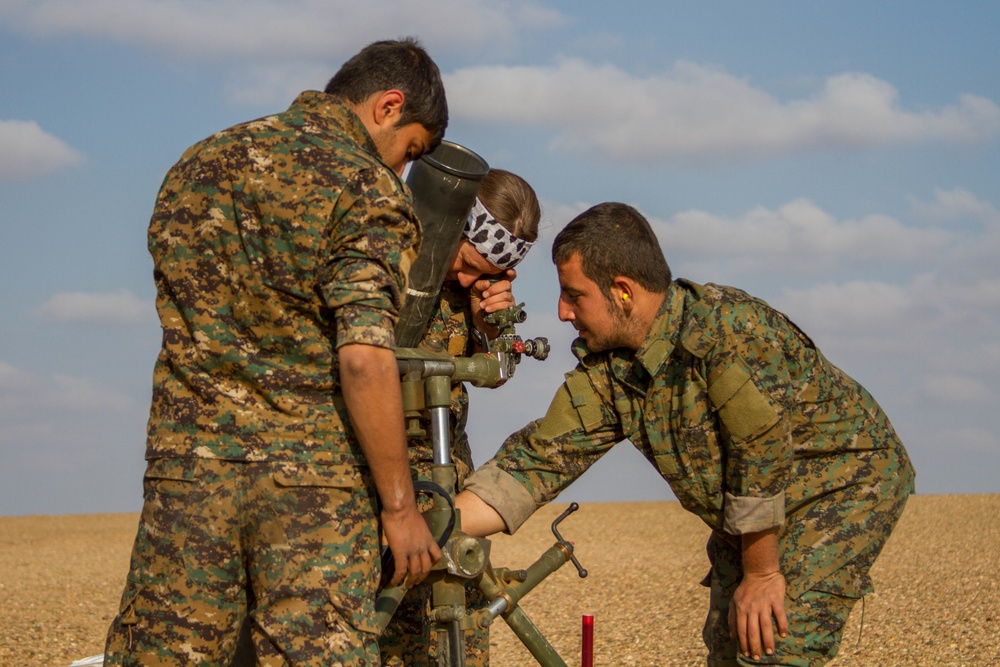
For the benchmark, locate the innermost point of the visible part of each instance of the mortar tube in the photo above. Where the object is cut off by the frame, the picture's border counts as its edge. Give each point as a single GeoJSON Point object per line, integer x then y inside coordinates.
{"type": "Point", "coordinates": [444, 184]}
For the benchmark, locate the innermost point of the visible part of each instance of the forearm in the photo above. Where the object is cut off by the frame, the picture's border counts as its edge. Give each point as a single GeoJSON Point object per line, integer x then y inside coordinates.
{"type": "Point", "coordinates": [495, 501]}
{"type": "Point", "coordinates": [478, 518]}
{"type": "Point", "coordinates": [369, 378]}
{"type": "Point", "coordinates": [759, 552]}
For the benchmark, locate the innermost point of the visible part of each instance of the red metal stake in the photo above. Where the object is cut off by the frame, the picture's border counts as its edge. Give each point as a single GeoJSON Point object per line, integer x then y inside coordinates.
{"type": "Point", "coordinates": [588, 641]}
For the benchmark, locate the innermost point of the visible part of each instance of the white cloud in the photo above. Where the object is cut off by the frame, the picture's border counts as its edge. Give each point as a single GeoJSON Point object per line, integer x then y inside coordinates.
{"type": "Point", "coordinates": [60, 432]}
{"type": "Point", "coordinates": [281, 47]}
{"type": "Point", "coordinates": [266, 29]}
{"type": "Point", "coordinates": [121, 307]}
{"type": "Point", "coordinates": [795, 238]}
{"type": "Point", "coordinates": [939, 322]}
{"type": "Point", "coordinates": [263, 85]}
{"type": "Point", "coordinates": [700, 111]}
{"type": "Point", "coordinates": [27, 151]}
{"type": "Point", "coordinates": [956, 204]}
{"type": "Point", "coordinates": [555, 216]}
{"type": "Point", "coordinates": [25, 396]}
{"type": "Point", "coordinates": [834, 277]}
{"type": "Point", "coordinates": [941, 307]}
{"type": "Point", "coordinates": [857, 308]}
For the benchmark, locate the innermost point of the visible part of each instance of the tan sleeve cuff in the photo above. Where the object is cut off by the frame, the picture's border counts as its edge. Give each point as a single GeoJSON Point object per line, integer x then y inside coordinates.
{"type": "Point", "coordinates": [752, 515]}
{"type": "Point", "coordinates": [499, 490]}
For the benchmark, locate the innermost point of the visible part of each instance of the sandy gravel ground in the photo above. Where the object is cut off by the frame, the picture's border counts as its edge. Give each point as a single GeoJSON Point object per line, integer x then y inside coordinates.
{"type": "Point", "coordinates": [938, 599]}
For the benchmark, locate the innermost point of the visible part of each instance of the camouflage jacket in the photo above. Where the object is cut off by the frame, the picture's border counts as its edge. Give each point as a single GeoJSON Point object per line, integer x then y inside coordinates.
{"type": "Point", "coordinates": [274, 242]}
{"type": "Point", "coordinates": [740, 412]}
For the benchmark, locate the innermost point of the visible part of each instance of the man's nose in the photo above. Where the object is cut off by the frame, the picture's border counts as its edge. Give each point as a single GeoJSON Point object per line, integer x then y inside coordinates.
{"type": "Point", "coordinates": [565, 312]}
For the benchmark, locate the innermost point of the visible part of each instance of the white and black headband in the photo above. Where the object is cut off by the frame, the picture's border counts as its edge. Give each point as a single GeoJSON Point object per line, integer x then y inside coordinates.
{"type": "Point", "coordinates": [492, 240]}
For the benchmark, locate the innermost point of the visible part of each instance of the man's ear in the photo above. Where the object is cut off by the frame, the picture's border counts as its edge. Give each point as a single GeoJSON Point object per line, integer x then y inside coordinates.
{"type": "Point", "coordinates": [623, 291]}
{"type": "Point", "coordinates": [388, 107]}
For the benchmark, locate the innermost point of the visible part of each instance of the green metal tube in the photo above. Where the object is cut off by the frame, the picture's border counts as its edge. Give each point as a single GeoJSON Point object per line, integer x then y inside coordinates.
{"type": "Point", "coordinates": [550, 561]}
{"type": "Point", "coordinates": [386, 605]}
{"type": "Point", "coordinates": [532, 639]}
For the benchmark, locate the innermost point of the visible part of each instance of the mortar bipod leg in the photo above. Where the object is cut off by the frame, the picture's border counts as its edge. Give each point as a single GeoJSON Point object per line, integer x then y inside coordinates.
{"type": "Point", "coordinates": [451, 646]}
{"type": "Point", "coordinates": [532, 639]}
{"type": "Point", "coordinates": [448, 596]}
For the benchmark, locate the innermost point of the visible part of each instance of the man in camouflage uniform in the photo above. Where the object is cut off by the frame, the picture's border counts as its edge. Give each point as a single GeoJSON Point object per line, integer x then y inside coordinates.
{"type": "Point", "coordinates": [792, 463]}
{"type": "Point", "coordinates": [281, 249]}
{"type": "Point", "coordinates": [465, 298]}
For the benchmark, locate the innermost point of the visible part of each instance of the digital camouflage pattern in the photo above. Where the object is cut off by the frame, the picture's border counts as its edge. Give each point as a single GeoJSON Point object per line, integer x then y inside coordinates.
{"type": "Point", "coordinates": [815, 621]}
{"type": "Point", "coordinates": [407, 639]}
{"type": "Point", "coordinates": [746, 420]}
{"type": "Point", "coordinates": [300, 537]}
{"type": "Point", "coordinates": [274, 242]}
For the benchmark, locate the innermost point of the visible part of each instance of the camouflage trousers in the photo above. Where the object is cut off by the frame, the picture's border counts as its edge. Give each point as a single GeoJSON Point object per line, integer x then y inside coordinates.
{"type": "Point", "coordinates": [409, 642]}
{"type": "Point", "coordinates": [816, 620]}
{"type": "Point", "coordinates": [294, 547]}
{"type": "Point", "coordinates": [816, 617]}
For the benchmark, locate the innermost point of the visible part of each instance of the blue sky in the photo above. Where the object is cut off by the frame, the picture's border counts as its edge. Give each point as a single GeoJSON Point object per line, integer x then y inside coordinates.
{"type": "Point", "coordinates": [839, 160]}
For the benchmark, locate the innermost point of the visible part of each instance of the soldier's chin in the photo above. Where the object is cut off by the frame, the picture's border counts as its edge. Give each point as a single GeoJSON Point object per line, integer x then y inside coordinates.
{"type": "Point", "coordinates": [592, 345]}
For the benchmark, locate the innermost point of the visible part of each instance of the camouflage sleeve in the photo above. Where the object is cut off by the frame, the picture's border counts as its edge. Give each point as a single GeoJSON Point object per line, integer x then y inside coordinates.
{"type": "Point", "coordinates": [750, 388]}
{"type": "Point", "coordinates": [375, 242]}
{"type": "Point", "coordinates": [535, 464]}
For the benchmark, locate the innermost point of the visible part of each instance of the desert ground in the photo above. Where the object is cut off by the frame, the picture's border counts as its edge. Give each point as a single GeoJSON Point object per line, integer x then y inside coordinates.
{"type": "Point", "coordinates": [937, 599]}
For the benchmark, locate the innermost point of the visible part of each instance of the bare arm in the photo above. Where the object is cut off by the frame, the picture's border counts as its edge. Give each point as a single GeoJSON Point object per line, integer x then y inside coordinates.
{"type": "Point", "coordinates": [478, 518]}
{"type": "Point", "coordinates": [370, 380]}
{"type": "Point", "coordinates": [759, 596]}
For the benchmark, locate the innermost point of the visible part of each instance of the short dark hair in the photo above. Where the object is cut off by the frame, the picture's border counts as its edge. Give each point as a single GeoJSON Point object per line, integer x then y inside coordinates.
{"type": "Point", "coordinates": [401, 65]}
{"type": "Point", "coordinates": [512, 201]}
{"type": "Point", "coordinates": [614, 240]}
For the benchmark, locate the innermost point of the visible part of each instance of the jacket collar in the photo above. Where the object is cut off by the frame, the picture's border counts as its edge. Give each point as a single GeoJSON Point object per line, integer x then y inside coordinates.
{"type": "Point", "coordinates": [664, 332]}
{"type": "Point", "coordinates": [335, 113]}
{"type": "Point", "coordinates": [656, 348]}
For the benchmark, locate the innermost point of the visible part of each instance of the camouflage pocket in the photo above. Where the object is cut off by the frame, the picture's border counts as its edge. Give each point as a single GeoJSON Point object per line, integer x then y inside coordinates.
{"type": "Point", "coordinates": [126, 618]}
{"type": "Point", "coordinates": [743, 409]}
{"type": "Point", "coordinates": [671, 466]}
{"type": "Point", "coordinates": [360, 616]}
{"type": "Point", "coordinates": [170, 491]}
{"type": "Point", "coordinates": [177, 469]}
{"type": "Point", "coordinates": [122, 633]}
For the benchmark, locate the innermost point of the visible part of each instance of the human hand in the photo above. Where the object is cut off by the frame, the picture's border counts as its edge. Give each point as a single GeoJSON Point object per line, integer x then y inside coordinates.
{"type": "Point", "coordinates": [756, 600]}
{"type": "Point", "coordinates": [490, 297]}
{"type": "Point", "coordinates": [414, 550]}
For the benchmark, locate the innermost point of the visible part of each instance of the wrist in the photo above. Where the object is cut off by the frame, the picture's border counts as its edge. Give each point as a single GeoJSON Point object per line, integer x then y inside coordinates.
{"type": "Point", "coordinates": [401, 500]}
{"type": "Point", "coordinates": [762, 574]}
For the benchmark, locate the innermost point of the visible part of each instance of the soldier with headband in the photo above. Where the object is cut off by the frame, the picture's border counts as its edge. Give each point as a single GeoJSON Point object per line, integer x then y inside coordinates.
{"type": "Point", "coordinates": [500, 230]}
